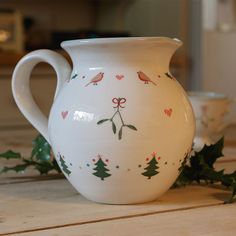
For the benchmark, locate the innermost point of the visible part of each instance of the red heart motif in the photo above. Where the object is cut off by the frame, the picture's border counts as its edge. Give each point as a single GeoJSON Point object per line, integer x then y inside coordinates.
{"type": "Point", "coordinates": [64, 114]}
{"type": "Point", "coordinates": [168, 112]}
{"type": "Point", "coordinates": [120, 77]}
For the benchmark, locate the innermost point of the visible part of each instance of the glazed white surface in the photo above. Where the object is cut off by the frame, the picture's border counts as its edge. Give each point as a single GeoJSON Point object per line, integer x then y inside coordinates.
{"type": "Point", "coordinates": [160, 112]}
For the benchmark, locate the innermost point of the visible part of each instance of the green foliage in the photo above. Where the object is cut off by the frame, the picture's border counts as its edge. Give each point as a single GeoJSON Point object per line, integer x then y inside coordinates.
{"type": "Point", "coordinates": [183, 163]}
{"type": "Point", "coordinates": [41, 149]}
{"type": "Point", "coordinates": [201, 169]}
{"type": "Point", "coordinates": [10, 155]}
{"type": "Point", "coordinates": [40, 158]}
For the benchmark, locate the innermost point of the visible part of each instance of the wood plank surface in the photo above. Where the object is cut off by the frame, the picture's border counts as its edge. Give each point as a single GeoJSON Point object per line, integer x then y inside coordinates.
{"type": "Point", "coordinates": [207, 221]}
{"type": "Point", "coordinates": [54, 204]}
{"type": "Point", "coordinates": [17, 138]}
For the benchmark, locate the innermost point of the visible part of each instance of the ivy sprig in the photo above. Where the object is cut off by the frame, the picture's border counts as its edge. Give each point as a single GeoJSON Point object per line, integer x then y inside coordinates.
{"type": "Point", "coordinates": [40, 158]}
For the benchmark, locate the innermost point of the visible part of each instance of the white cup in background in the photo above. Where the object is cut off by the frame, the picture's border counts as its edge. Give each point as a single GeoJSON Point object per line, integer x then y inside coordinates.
{"type": "Point", "coordinates": [210, 112]}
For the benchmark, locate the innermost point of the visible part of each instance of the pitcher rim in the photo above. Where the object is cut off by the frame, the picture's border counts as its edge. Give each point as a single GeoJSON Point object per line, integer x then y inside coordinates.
{"type": "Point", "coordinates": [101, 41]}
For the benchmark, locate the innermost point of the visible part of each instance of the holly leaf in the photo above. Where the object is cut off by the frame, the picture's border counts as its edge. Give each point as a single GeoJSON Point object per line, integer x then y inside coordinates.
{"type": "Point", "coordinates": [131, 127]}
{"type": "Point", "coordinates": [40, 158]}
{"type": "Point", "coordinates": [44, 167]}
{"type": "Point", "coordinates": [201, 169]}
{"type": "Point", "coordinates": [56, 166]}
{"type": "Point", "coordinates": [16, 168]}
{"type": "Point", "coordinates": [229, 179]}
{"type": "Point", "coordinates": [233, 195]}
{"type": "Point", "coordinates": [10, 155]}
{"type": "Point", "coordinates": [211, 153]}
{"type": "Point", "coordinates": [113, 127]}
{"type": "Point", "coordinates": [41, 149]}
{"type": "Point", "coordinates": [102, 121]}
{"type": "Point", "coordinates": [120, 133]}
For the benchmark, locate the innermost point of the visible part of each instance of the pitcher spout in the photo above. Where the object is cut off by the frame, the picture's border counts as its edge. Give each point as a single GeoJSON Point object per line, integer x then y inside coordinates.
{"type": "Point", "coordinates": [176, 43]}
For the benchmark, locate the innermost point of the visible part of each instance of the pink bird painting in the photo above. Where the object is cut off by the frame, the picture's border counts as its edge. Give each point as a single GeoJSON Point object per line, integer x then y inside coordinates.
{"type": "Point", "coordinates": [145, 78]}
{"type": "Point", "coordinates": [96, 79]}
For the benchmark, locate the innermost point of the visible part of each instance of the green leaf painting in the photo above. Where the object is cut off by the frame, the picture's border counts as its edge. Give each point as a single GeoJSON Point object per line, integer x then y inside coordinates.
{"type": "Point", "coordinates": [119, 105]}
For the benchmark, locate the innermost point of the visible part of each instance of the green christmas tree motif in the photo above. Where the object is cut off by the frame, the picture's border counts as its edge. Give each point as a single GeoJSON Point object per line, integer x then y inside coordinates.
{"type": "Point", "coordinates": [101, 170]}
{"type": "Point", "coordinates": [183, 163]}
{"type": "Point", "coordinates": [152, 167]}
{"type": "Point", "coordinates": [64, 166]}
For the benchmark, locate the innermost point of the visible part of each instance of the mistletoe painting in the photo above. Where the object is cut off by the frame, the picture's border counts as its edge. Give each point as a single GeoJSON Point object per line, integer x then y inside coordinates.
{"type": "Point", "coordinates": [118, 102]}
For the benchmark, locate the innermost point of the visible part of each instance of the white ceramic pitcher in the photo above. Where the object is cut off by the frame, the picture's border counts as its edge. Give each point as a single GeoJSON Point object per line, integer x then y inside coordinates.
{"type": "Point", "coordinates": [121, 126]}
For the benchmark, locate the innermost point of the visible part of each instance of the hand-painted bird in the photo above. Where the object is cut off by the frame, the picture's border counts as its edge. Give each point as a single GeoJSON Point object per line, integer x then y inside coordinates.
{"type": "Point", "coordinates": [144, 78]}
{"type": "Point", "coordinates": [97, 78]}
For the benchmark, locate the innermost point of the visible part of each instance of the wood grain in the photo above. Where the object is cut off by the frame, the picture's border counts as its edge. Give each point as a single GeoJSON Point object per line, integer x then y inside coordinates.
{"type": "Point", "coordinates": [54, 204]}
{"type": "Point", "coordinates": [214, 220]}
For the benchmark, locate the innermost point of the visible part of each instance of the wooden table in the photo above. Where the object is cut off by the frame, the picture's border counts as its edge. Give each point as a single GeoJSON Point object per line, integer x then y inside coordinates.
{"type": "Point", "coordinates": [48, 205]}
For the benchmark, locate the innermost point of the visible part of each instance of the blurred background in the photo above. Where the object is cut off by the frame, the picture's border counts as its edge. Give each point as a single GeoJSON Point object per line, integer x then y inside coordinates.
{"type": "Point", "coordinates": [206, 27]}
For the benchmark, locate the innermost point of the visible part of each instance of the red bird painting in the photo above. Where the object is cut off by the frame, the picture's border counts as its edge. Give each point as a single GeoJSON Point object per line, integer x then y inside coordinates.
{"type": "Point", "coordinates": [144, 77]}
{"type": "Point", "coordinates": [97, 78]}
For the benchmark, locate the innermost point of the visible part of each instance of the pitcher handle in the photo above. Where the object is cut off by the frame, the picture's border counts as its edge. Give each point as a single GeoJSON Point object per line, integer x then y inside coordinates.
{"type": "Point", "coordinates": [21, 89]}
